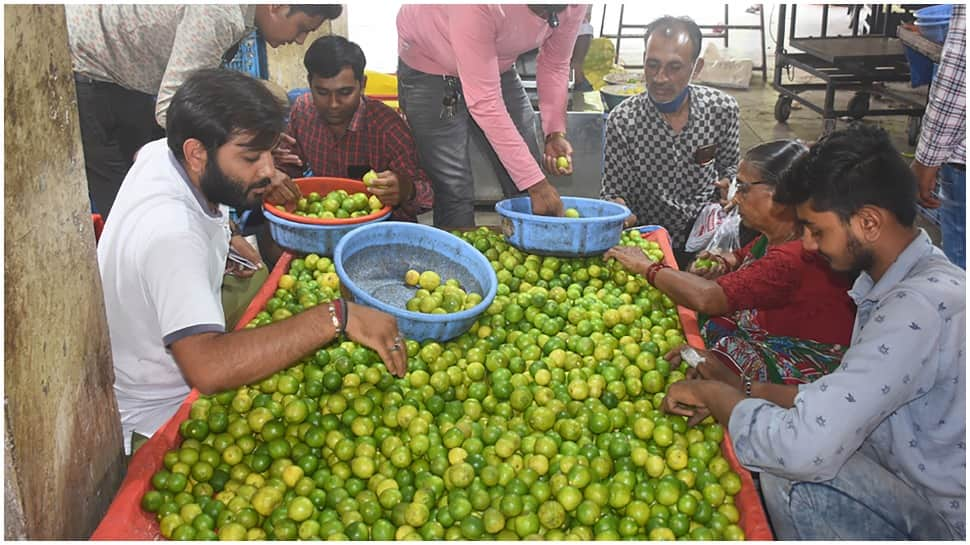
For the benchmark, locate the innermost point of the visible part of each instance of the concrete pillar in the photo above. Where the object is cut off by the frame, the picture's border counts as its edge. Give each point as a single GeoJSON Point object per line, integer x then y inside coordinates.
{"type": "Point", "coordinates": [285, 63]}
{"type": "Point", "coordinates": [64, 458]}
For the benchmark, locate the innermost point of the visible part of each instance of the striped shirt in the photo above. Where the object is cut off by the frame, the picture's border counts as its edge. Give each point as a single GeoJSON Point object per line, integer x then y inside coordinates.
{"type": "Point", "coordinates": [153, 48]}
{"type": "Point", "coordinates": [943, 138]}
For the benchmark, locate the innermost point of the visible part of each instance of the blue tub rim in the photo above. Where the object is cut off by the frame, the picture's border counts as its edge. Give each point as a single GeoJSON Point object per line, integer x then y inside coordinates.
{"type": "Point", "coordinates": [503, 209]}
{"type": "Point", "coordinates": [374, 302]}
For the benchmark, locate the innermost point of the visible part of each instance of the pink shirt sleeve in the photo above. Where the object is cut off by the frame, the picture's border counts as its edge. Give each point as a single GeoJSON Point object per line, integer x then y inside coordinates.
{"type": "Point", "coordinates": [472, 33]}
{"type": "Point", "coordinates": [552, 69]}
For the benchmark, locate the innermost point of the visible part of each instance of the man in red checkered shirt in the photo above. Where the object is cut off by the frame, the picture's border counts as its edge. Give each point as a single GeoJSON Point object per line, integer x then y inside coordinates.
{"type": "Point", "coordinates": [336, 131]}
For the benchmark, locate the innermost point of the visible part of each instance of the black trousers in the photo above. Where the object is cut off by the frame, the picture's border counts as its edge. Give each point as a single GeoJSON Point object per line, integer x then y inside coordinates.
{"type": "Point", "coordinates": [115, 123]}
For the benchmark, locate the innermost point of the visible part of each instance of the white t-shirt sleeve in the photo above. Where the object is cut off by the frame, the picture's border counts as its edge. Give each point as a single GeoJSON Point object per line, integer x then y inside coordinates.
{"type": "Point", "coordinates": [179, 285]}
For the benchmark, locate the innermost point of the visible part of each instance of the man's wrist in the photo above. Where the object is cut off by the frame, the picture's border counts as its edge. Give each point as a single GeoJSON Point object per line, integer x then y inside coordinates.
{"type": "Point", "coordinates": [555, 134]}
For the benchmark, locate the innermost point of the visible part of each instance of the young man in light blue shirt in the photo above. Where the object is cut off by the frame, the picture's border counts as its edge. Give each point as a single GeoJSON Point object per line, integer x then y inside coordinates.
{"type": "Point", "coordinates": [877, 449]}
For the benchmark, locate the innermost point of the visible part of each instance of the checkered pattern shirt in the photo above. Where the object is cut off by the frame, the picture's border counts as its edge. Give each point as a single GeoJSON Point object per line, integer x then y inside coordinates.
{"type": "Point", "coordinates": [377, 137]}
{"type": "Point", "coordinates": [943, 138]}
{"type": "Point", "coordinates": [655, 171]}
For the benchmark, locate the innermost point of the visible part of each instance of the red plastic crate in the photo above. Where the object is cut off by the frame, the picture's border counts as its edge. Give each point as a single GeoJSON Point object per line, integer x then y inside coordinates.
{"type": "Point", "coordinates": [125, 519]}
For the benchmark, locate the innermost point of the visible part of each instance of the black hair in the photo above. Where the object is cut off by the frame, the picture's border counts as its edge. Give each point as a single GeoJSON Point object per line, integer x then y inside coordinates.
{"type": "Point", "coordinates": [328, 55]}
{"type": "Point", "coordinates": [772, 159]}
{"type": "Point", "coordinates": [669, 24]}
{"type": "Point", "coordinates": [215, 104]}
{"type": "Point", "coordinates": [329, 12]}
{"type": "Point", "coordinates": [851, 168]}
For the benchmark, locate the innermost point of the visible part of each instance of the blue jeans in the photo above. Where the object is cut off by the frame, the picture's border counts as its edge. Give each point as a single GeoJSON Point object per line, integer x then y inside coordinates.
{"type": "Point", "coordinates": [865, 501]}
{"type": "Point", "coordinates": [953, 224]}
{"type": "Point", "coordinates": [443, 140]}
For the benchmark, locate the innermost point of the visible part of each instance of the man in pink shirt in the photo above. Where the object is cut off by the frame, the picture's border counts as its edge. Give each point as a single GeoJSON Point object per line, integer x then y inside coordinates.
{"type": "Point", "coordinates": [456, 81]}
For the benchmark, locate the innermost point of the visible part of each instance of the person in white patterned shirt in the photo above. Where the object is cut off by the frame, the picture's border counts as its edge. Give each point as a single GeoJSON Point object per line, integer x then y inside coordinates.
{"type": "Point", "coordinates": [667, 148]}
{"type": "Point", "coordinates": [942, 150]}
{"type": "Point", "coordinates": [123, 55]}
{"type": "Point", "coordinates": [877, 448]}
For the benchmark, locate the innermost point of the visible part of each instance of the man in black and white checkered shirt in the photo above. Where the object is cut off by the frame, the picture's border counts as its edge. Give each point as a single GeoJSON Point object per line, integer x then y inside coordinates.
{"type": "Point", "coordinates": [666, 148]}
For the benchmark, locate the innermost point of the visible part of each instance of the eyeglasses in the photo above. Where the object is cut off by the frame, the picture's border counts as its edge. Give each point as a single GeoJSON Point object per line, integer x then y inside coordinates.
{"type": "Point", "coordinates": [745, 187]}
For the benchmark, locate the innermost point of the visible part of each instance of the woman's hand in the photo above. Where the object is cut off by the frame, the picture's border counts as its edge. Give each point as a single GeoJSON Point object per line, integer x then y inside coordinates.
{"type": "Point", "coordinates": [711, 265]}
{"type": "Point", "coordinates": [631, 257]}
{"type": "Point", "coordinates": [378, 330]}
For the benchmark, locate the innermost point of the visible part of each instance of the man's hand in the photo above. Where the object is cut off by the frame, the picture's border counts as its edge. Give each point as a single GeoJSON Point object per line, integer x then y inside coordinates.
{"type": "Point", "coordinates": [631, 257]}
{"type": "Point", "coordinates": [630, 220]}
{"type": "Point", "coordinates": [557, 146]}
{"type": "Point", "coordinates": [545, 199]}
{"type": "Point", "coordinates": [391, 189]}
{"type": "Point", "coordinates": [239, 244]}
{"type": "Point", "coordinates": [926, 182]}
{"type": "Point", "coordinates": [281, 189]}
{"type": "Point", "coordinates": [378, 331]}
{"type": "Point", "coordinates": [283, 154]}
{"type": "Point", "coordinates": [685, 398]}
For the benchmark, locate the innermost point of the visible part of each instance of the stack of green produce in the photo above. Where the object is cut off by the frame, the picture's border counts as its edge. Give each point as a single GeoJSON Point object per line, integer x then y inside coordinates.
{"type": "Point", "coordinates": [336, 204]}
{"type": "Point", "coordinates": [541, 422]}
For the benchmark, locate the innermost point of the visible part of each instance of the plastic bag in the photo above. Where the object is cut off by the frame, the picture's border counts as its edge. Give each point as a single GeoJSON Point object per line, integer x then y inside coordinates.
{"type": "Point", "coordinates": [726, 237]}
{"type": "Point", "coordinates": [707, 222]}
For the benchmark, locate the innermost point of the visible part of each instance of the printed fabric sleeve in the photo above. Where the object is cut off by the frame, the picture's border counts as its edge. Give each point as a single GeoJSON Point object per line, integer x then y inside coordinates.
{"type": "Point", "coordinates": [552, 70]}
{"type": "Point", "coordinates": [202, 37]}
{"type": "Point", "coordinates": [768, 282]}
{"type": "Point", "coordinates": [173, 270]}
{"type": "Point", "coordinates": [472, 33]}
{"type": "Point", "coordinates": [403, 159]}
{"type": "Point", "coordinates": [729, 141]}
{"type": "Point", "coordinates": [945, 120]}
{"type": "Point", "coordinates": [891, 362]}
{"type": "Point", "coordinates": [618, 171]}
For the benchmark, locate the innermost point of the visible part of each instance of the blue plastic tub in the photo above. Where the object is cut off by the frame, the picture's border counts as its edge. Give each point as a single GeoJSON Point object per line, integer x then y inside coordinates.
{"type": "Point", "coordinates": [306, 238]}
{"type": "Point", "coordinates": [596, 230]}
{"type": "Point", "coordinates": [371, 262]}
{"type": "Point", "coordinates": [935, 13]}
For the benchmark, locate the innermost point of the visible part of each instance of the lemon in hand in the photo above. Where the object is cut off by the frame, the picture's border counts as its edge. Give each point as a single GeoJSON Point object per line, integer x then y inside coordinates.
{"type": "Point", "coordinates": [369, 178]}
{"type": "Point", "coordinates": [562, 162]}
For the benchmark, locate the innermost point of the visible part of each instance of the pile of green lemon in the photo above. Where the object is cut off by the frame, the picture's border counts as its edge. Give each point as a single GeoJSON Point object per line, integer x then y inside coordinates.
{"type": "Point", "coordinates": [542, 421]}
{"type": "Point", "coordinates": [336, 204]}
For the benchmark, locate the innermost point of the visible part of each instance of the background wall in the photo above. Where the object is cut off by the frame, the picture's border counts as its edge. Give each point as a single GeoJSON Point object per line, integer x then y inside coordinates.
{"type": "Point", "coordinates": [285, 63]}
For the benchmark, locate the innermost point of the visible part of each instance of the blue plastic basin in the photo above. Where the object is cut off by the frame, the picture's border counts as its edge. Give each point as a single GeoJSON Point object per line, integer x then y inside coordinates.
{"type": "Point", "coordinates": [596, 230]}
{"type": "Point", "coordinates": [941, 11]}
{"type": "Point", "coordinates": [371, 262]}
{"type": "Point", "coordinates": [306, 238]}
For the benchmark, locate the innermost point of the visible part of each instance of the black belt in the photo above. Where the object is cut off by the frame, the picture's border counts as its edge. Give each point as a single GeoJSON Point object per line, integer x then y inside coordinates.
{"type": "Point", "coordinates": [962, 167]}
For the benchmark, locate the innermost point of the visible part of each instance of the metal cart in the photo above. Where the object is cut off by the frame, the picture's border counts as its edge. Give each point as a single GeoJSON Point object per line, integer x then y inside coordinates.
{"type": "Point", "coordinates": [863, 64]}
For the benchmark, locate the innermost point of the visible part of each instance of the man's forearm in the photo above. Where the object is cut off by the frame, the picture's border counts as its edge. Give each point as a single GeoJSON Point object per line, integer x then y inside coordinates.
{"type": "Point", "coordinates": [214, 362]}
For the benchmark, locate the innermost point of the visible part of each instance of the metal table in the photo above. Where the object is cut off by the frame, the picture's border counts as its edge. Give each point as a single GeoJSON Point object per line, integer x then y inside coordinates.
{"type": "Point", "coordinates": [862, 64]}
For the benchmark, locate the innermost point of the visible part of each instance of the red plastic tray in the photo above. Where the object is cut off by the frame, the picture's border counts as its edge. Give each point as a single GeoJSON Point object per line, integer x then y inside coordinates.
{"type": "Point", "coordinates": [125, 519]}
{"type": "Point", "coordinates": [753, 521]}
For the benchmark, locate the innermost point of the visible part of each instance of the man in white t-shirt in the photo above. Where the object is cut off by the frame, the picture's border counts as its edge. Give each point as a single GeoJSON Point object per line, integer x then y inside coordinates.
{"type": "Point", "coordinates": [163, 253]}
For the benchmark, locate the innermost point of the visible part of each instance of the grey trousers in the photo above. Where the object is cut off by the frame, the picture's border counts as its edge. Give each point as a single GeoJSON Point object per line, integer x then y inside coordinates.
{"type": "Point", "coordinates": [443, 141]}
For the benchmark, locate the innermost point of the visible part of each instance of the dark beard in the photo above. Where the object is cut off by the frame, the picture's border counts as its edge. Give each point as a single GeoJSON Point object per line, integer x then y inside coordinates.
{"type": "Point", "coordinates": [862, 259]}
{"type": "Point", "coordinates": [219, 188]}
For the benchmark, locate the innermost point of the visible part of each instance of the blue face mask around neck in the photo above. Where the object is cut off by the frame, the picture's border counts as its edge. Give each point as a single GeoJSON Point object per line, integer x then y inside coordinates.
{"type": "Point", "coordinates": [673, 105]}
